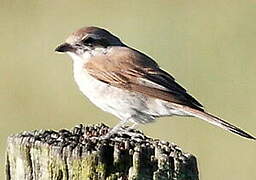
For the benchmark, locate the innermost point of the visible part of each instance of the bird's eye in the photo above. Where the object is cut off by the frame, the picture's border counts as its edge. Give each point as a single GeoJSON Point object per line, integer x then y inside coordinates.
{"type": "Point", "coordinates": [95, 42]}
{"type": "Point", "coordinates": [88, 41]}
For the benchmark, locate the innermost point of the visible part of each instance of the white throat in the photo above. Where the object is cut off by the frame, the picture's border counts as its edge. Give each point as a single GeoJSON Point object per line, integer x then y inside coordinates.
{"type": "Point", "coordinates": [84, 57]}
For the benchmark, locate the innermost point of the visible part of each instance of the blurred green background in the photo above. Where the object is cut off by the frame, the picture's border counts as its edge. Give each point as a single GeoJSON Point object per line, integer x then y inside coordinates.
{"type": "Point", "coordinates": [209, 46]}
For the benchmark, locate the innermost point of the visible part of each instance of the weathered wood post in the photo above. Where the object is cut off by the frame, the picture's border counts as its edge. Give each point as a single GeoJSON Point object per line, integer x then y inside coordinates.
{"type": "Point", "coordinates": [79, 154]}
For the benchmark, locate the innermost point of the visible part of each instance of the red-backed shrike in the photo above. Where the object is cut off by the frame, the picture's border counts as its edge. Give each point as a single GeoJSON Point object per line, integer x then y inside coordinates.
{"type": "Point", "coordinates": [127, 83]}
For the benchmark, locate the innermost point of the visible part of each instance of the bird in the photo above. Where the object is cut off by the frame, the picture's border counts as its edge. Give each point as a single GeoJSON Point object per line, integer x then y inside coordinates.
{"type": "Point", "coordinates": [128, 83]}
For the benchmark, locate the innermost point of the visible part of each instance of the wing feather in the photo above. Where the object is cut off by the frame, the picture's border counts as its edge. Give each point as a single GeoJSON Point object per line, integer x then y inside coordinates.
{"type": "Point", "coordinates": [129, 69]}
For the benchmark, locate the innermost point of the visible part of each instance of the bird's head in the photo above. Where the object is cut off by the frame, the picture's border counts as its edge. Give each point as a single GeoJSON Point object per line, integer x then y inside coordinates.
{"type": "Point", "coordinates": [87, 42]}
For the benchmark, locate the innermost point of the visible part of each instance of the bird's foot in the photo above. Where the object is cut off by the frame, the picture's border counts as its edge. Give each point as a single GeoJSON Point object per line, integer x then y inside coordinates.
{"type": "Point", "coordinates": [123, 131]}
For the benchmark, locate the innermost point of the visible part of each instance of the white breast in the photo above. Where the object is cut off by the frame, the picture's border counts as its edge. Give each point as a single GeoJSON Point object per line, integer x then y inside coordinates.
{"type": "Point", "coordinates": [89, 86]}
{"type": "Point", "coordinates": [101, 94]}
{"type": "Point", "coordinates": [121, 103]}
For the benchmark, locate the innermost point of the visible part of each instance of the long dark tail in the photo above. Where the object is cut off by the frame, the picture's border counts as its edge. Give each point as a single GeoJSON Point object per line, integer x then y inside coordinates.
{"type": "Point", "coordinates": [217, 122]}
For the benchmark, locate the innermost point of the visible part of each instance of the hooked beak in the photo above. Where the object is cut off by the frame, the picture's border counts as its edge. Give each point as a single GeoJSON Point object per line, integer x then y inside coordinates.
{"type": "Point", "coordinates": [65, 47]}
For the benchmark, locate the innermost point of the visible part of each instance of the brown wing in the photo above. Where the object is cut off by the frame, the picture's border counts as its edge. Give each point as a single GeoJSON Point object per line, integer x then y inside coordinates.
{"type": "Point", "coordinates": [129, 69]}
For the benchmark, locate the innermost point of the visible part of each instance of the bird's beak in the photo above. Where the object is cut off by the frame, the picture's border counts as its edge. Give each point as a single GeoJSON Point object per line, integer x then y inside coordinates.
{"type": "Point", "coordinates": [65, 47]}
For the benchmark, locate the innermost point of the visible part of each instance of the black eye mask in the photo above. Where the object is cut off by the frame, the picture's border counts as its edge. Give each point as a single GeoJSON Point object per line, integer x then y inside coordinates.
{"type": "Point", "coordinates": [95, 42]}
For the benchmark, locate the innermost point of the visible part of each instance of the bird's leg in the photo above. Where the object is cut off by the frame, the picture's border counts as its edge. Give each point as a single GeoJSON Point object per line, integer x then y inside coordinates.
{"type": "Point", "coordinates": [123, 130]}
{"type": "Point", "coordinates": [131, 131]}
{"type": "Point", "coordinates": [129, 128]}
{"type": "Point", "coordinates": [133, 126]}
{"type": "Point", "coordinates": [114, 130]}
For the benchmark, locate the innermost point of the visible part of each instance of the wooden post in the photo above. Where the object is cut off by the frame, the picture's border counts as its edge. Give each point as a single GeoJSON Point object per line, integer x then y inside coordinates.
{"type": "Point", "coordinates": [79, 154]}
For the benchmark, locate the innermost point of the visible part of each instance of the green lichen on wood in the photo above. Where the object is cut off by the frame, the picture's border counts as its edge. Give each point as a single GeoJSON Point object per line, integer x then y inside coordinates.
{"type": "Point", "coordinates": [80, 154]}
{"type": "Point", "coordinates": [57, 166]}
{"type": "Point", "coordinates": [92, 167]}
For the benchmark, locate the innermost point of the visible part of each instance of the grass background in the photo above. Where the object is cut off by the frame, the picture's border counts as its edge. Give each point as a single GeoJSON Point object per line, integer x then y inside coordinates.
{"type": "Point", "coordinates": [209, 46]}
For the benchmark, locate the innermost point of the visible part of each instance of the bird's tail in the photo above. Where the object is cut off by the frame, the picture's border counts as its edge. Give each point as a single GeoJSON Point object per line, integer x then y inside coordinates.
{"type": "Point", "coordinates": [217, 122]}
